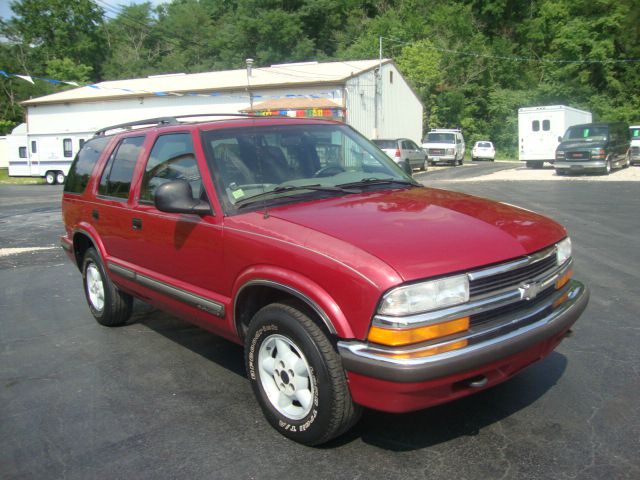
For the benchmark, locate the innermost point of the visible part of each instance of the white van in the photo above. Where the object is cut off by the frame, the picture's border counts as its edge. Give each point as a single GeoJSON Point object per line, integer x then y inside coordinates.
{"type": "Point", "coordinates": [444, 145]}
{"type": "Point", "coordinates": [540, 130]}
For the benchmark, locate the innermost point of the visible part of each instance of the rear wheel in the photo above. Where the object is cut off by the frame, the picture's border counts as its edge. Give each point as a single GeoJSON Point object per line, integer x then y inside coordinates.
{"type": "Point", "coordinates": [607, 167]}
{"type": "Point", "coordinates": [60, 178]}
{"type": "Point", "coordinates": [108, 305]}
{"type": "Point", "coordinates": [297, 376]}
{"type": "Point", "coordinates": [50, 178]}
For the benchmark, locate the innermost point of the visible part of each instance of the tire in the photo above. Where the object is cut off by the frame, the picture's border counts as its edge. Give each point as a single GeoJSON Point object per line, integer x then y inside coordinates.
{"type": "Point", "coordinates": [297, 376]}
{"type": "Point", "coordinates": [607, 168]}
{"type": "Point", "coordinates": [60, 178]}
{"type": "Point", "coordinates": [109, 306]}
{"type": "Point", "coordinates": [50, 178]}
{"type": "Point", "coordinates": [425, 165]}
{"type": "Point", "coordinates": [627, 162]}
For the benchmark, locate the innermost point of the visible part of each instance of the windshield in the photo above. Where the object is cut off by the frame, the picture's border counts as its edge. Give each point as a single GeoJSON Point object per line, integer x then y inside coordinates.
{"type": "Point", "coordinates": [586, 132]}
{"type": "Point", "coordinates": [635, 133]}
{"type": "Point", "coordinates": [440, 138]}
{"type": "Point", "coordinates": [294, 161]}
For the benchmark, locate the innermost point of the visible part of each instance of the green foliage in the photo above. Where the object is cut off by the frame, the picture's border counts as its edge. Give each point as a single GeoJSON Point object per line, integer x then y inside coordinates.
{"type": "Point", "coordinates": [473, 63]}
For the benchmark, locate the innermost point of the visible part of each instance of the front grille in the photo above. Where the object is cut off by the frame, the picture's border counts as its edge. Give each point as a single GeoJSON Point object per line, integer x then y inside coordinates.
{"type": "Point", "coordinates": [484, 317]}
{"type": "Point", "coordinates": [577, 156]}
{"type": "Point", "coordinates": [510, 278]}
{"type": "Point", "coordinates": [436, 151]}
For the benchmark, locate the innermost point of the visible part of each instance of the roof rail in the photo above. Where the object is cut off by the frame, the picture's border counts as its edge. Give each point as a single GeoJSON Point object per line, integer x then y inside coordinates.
{"type": "Point", "coordinates": [154, 122]}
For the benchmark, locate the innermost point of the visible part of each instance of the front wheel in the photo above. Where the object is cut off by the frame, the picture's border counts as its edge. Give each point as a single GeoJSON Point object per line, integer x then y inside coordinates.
{"type": "Point", "coordinates": [297, 376]}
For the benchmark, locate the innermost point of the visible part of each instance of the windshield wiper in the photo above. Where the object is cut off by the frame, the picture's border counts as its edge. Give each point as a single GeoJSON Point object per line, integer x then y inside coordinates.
{"type": "Point", "coordinates": [292, 188]}
{"type": "Point", "coordinates": [379, 181]}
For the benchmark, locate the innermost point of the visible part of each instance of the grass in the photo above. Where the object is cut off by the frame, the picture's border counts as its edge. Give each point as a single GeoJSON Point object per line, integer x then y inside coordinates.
{"type": "Point", "coordinates": [5, 179]}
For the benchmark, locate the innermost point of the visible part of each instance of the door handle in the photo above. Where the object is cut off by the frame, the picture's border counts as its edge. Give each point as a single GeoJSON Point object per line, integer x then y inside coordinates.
{"type": "Point", "coordinates": [95, 214]}
{"type": "Point", "coordinates": [137, 223]}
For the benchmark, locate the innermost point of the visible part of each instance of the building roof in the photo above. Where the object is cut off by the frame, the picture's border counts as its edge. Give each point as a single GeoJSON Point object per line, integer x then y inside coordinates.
{"type": "Point", "coordinates": [275, 76]}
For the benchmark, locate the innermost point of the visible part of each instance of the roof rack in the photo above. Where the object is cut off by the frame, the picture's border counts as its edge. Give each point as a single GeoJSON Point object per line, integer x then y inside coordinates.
{"type": "Point", "coordinates": [155, 122]}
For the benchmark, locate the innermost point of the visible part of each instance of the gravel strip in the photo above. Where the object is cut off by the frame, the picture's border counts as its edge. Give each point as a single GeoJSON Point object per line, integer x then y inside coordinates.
{"type": "Point", "coordinates": [631, 174]}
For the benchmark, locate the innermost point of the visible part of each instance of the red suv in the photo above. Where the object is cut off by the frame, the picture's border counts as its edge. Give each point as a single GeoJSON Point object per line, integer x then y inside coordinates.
{"type": "Point", "coordinates": [348, 283]}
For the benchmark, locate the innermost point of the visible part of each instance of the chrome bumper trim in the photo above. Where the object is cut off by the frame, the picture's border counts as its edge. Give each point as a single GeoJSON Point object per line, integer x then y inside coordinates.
{"type": "Point", "coordinates": [483, 348]}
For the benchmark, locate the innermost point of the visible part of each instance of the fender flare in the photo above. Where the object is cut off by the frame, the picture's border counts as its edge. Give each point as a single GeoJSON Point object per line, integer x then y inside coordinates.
{"type": "Point", "coordinates": [299, 286]}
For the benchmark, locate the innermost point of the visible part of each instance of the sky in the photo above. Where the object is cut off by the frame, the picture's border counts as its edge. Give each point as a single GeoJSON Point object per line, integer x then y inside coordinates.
{"type": "Point", "coordinates": [5, 9]}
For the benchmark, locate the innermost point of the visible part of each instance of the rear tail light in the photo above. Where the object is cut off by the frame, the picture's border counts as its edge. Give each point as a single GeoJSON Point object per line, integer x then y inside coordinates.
{"type": "Point", "coordinates": [397, 155]}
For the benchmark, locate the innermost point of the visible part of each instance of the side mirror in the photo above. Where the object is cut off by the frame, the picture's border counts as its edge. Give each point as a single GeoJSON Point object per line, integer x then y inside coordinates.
{"type": "Point", "coordinates": [560, 139]}
{"type": "Point", "coordinates": [177, 197]}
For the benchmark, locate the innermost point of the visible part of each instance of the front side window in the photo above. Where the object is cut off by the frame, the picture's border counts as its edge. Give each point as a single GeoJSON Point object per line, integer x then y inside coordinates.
{"type": "Point", "coordinates": [22, 152]}
{"type": "Point", "coordinates": [262, 165]}
{"type": "Point", "coordinates": [67, 147]}
{"type": "Point", "coordinates": [82, 166]}
{"type": "Point", "coordinates": [172, 158]}
{"type": "Point", "coordinates": [117, 175]}
{"type": "Point", "coordinates": [535, 125]}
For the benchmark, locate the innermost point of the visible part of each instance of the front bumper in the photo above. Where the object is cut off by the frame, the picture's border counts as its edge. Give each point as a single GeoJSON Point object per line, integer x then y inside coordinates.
{"type": "Point", "coordinates": [384, 382]}
{"type": "Point", "coordinates": [586, 165]}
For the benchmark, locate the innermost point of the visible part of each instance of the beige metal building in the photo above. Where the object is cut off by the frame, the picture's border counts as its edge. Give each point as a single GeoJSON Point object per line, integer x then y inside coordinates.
{"type": "Point", "coordinates": [370, 95]}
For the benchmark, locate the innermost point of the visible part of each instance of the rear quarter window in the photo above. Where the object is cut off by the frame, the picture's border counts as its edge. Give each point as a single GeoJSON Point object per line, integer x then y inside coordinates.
{"type": "Point", "coordinates": [83, 164]}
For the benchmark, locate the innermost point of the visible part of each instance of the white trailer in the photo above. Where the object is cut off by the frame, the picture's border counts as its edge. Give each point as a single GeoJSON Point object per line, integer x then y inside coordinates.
{"type": "Point", "coordinates": [539, 130]}
{"type": "Point", "coordinates": [43, 155]}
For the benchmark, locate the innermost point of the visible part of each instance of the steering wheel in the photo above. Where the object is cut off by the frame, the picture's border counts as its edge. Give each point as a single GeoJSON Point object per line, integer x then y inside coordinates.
{"type": "Point", "coordinates": [328, 171]}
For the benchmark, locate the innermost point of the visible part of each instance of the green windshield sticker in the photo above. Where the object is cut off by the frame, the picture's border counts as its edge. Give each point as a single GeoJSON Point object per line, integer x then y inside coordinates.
{"type": "Point", "coordinates": [585, 132]}
{"type": "Point", "coordinates": [636, 133]}
{"type": "Point", "coordinates": [239, 193]}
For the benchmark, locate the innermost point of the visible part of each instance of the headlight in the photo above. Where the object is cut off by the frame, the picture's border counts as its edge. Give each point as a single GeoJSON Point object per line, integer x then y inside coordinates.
{"type": "Point", "coordinates": [559, 154]}
{"type": "Point", "coordinates": [563, 251]}
{"type": "Point", "coordinates": [426, 296]}
{"type": "Point", "coordinates": [450, 151]}
{"type": "Point", "coordinates": [598, 153]}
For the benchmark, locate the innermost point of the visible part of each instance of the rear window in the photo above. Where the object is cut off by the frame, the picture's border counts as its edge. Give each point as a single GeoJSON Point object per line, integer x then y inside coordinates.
{"type": "Point", "coordinates": [484, 145]}
{"type": "Point", "coordinates": [83, 164]}
{"type": "Point", "coordinates": [388, 144]}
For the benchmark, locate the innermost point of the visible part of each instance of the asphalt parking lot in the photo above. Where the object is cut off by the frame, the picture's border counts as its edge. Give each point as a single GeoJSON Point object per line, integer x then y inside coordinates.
{"type": "Point", "coordinates": [160, 398]}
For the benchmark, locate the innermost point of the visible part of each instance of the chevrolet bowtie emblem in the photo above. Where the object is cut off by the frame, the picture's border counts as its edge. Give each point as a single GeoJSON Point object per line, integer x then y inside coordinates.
{"type": "Point", "coordinates": [529, 291]}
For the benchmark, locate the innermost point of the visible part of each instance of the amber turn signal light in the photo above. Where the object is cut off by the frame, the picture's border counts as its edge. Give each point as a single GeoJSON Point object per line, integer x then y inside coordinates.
{"type": "Point", "coordinates": [562, 281]}
{"type": "Point", "coordinates": [395, 337]}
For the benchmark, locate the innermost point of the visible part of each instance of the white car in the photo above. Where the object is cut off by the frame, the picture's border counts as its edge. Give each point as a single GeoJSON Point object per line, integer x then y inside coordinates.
{"type": "Point", "coordinates": [483, 150]}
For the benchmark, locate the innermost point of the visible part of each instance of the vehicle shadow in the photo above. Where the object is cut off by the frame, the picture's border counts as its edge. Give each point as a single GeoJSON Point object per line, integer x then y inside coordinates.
{"type": "Point", "coordinates": [212, 347]}
{"type": "Point", "coordinates": [463, 417]}
{"type": "Point", "coordinates": [394, 432]}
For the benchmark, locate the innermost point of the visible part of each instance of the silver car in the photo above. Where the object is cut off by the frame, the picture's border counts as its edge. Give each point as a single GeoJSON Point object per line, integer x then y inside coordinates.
{"type": "Point", "coordinates": [404, 152]}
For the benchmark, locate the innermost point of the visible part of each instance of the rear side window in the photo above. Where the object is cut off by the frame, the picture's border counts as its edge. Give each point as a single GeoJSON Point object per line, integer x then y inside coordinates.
{"type": "Point", "coordinates": [82, 166]}
{"type": "Point", "coordinates": [22, 152]}
{"type": "Point", "coordinates": [117, 175]}
{"type": "Point", "coordinates": [535, 125]}
{"type": "Point", "coordinates": [172, 158]}
{"type": "Point", "coordinates": [34, 147]}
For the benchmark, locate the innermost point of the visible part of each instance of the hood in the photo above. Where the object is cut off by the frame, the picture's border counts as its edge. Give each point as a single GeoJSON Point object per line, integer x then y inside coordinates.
{"type": "Point", "coordinates": [424, 232]}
